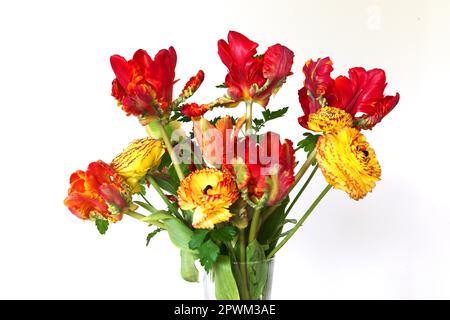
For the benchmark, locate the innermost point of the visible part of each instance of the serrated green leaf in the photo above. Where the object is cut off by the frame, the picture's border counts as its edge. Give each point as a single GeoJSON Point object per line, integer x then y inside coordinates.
{"type": "Point", "coordinates": [151, 235]}
{"type": "Point", "coordinates": [178, 116]}
{"type": "Point", "coordinates": [225, 284]}
{"type": "Point", "coordinates": [102, 225]}
{"type": "Point", "coordinates": [189, 271]}
{"type": "Point", "coordinates": [198, 238]}
{"type": "Point", "coordinates": [271, 115]}
{"type": "Point", "coordinates": [308, 144]}
{"type": "Point", "coordinates": [258, 124]}
{"type": "Point", "coordinates": [225, 234]}
{"type": "Point", "coordinates": [208, 253]}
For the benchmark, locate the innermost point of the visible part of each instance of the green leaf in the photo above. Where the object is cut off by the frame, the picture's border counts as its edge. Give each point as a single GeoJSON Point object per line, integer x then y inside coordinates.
{"type": "Point", "coordinates": [225, 284]}
{"type": "Point", "coordinates": [151, 235]}
{"type": "Point", "coordinates": [166, 161]}
{"type": "Point", "coordinates": [198, 238]}
{"type": "Point", "coordinates": [225, 234]}
{"type": "Point", "coordinates": [257, 269]}
{"type": "Point", "coordinates": [180, 117]}
{"type": "Point", "coordinates": [102, 225]}
{"type": "Point", "coordinates": [159, 215]}
{"type": "Point", "coordinates": [167, 184]}
{"type": "Point", "coordinates": [222, 85]}
{"type": "Point", "coordinates": [189, 271]}
{"type": "Point", "coordinates": [271, 115]}
{"type": "Point", "coordinates": [214, 121]}
{"type": "Point", "coordinates": [144, 205]}
{"type": "Point", "coordinates": [271, 229]}
{"type": "Point", "coordinates": [309, 143]}
{"type": "Point", "coordinates": [258, 124]}
{"type": "Point", "coordinates": [179, 233]}
{"type": "Point", "coordinates": [208, 253]}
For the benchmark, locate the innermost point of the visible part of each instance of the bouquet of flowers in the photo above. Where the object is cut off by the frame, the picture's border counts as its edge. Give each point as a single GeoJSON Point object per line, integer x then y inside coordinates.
{"type": "Point", "coordinates": [225, 183]}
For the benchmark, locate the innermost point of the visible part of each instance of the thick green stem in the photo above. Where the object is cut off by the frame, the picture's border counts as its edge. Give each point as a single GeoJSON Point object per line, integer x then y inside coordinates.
{"type": "Point", "coordinates": [248, 116]}
{"type": "Point", "coordinates": [304, 168]}
{"type": "Point", "coordinates": [245, 294]}
{"type": "Point", "coordinates": [255, 224]}
{"type": "Point", "coordinates": [139, 217]}
{"type": "Point", "coordinates": [300, 222]}
{"type": "Point", "coordinates": [301, 190]}
{"type": "Point", "coordinates": [169, 204]}
{"type": "Point", "coordinates": [169, 148]}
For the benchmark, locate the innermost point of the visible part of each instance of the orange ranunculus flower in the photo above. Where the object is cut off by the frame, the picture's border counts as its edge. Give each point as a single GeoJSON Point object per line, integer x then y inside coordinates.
{"type": "Point", "coordinates": [348, 162]}
{"type": "Point", "coordinates": [208, 193]}
{"type": "Point", "coordinates": [98, 192]}
{"type": "Point", "coordinates": [250, 77]}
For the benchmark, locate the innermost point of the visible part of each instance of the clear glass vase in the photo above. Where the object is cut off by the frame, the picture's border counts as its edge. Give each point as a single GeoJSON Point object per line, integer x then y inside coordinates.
{"type": "Point", "coordinates": [253, 281]}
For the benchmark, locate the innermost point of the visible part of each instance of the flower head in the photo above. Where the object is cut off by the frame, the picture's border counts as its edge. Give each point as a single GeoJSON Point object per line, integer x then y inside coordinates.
{"type": "Point", "coordinates": [329, 119]}
{"type": "Point", "coordinates": [144, 86]}
{"type": "Point", "coordinates": [98, 192]}
{"type": "Point", "coordinates": [266, 170]}
{"type": "Point", "coordinates": [361, 94]}
{"type": "Point", "coordinates": [348, 162]}
{"type": "Point", "coordinates": [138, 158]}
{"type": "Point", "coordinates": [217, 142]}
{"type": "Point", "coordinates": [209, 193]}
{"type": "Point", "coordinates": [253, 78]}
{"type": "Point", "coordinates": [193, 110]}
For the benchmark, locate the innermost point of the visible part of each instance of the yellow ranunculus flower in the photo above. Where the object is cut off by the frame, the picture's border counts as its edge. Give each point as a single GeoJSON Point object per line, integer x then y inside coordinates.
{"type": "Point", "coordinates": [209, 193]}
{"type": "Point", "coordinates": [348, 162]}
{"type": "Point", "coordinates": [329, 119]}
{"type": "Point", "coordinates": [140, 157]}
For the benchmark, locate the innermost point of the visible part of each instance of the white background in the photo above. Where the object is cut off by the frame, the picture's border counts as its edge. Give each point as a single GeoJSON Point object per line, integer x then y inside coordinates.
{"type": "Point", "coordinates": [57, 115]}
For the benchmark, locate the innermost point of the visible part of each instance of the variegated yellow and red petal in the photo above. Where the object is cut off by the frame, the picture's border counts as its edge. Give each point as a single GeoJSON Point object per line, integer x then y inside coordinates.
{"type": "Point", "coordinates": [202, 220]}
{"type": "Point", "coordinates": [328, 119]}
{"type": "Point", "coordinates": [208, 192]}
{"type": "Point", "coordinates": [348, 162]}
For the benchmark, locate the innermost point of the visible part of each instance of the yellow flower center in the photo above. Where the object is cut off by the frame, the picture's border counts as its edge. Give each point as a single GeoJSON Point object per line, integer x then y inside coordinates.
{"type": "Point", "coordinates": [329, 119]}
{"type": "Point", "coordinates": [209, 193]}
{"type": "Point", "coordinates": [348, 162]}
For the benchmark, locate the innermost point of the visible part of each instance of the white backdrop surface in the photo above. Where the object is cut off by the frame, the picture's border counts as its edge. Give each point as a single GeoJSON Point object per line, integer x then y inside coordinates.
{"type": "Point", "coordinates": [57, 115]}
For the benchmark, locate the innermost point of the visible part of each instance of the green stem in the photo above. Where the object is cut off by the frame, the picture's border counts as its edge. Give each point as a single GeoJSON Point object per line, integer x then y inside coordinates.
{"type": "Point", "coordinates": [304, 168]}
{"type": "Point", "coordinates": [248, 116]}
{"type": "Point", "coordinates": [300, 222]}
{"type": "Point", "coordinates": [269, 212]}
{"type": "Point", "coordinates": [245, 294]}
{"type": "Point", "coordinates": [301, 190]}
{"type": "Point", "coordinates": [169, 148]}
{"type": "Point", "coordinates": [150, 206]}
{"type": "Point", "coordinates": [139, 217]}
{"type": "Point", "coordinates": [163, 196]}
{"type": "Point", "coordinates": [254, 225]}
